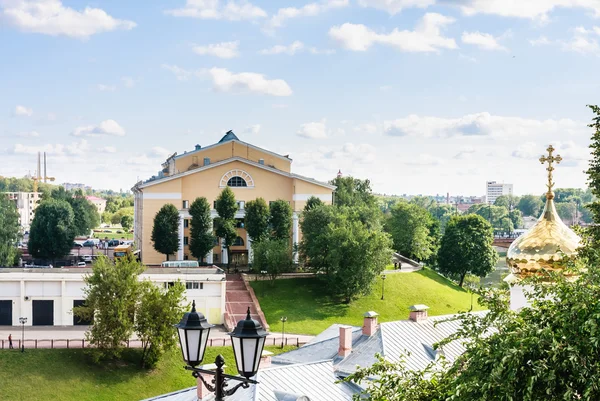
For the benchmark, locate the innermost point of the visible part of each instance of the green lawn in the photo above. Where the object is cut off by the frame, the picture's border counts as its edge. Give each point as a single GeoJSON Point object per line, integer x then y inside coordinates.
{"type": "Point", "coordinates": [113, 235]}
{"type": "Point", "coordinates": [46, 374]}
{"type": "Point", "coordinates": [309, 310]}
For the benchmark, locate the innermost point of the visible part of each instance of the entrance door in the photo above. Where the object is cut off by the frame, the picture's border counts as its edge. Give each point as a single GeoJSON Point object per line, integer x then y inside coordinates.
{"type": "Point", "coordinates": [239, 258]}
{"type": "Point", "coordinates": [43, 313]}
{"type": "Point", "coordinates": [77, 321]}
{"type": "Point", "coordinates": [5, 313]}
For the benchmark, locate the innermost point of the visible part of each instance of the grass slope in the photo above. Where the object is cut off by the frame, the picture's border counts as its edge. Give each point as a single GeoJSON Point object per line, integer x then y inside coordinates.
{"type": "Point", "coordinates": [62, 374]}
{"type": "Point", "coordinates": [309, 310]}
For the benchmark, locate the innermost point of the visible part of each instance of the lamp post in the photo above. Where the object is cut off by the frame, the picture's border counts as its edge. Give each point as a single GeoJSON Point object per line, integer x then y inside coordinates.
{"type": "Point", "coordinates": [22, 320]}
{"type": "Point", "coordinates": [247, 339]}
{"type": "Point", "coordinates": [283, 320]}
{"type": "Point", "coordinates": [382, 285]}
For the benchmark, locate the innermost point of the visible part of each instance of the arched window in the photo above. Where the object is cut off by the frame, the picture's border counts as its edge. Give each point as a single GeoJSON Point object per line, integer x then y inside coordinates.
{"type": "Point", "coordinates": [237, 182]}
{"type": "Point", "coordinates": [238, 242]}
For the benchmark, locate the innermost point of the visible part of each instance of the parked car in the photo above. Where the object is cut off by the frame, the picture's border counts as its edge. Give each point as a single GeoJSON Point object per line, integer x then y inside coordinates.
{"type": "Point", "coordinates": [77, 245]}
{"type": "Point", "coordinates": [113, 243]}
{"type": "Point", "coordinates": [119, 231]}
{"type": "Point", "coordinates": [108, 231]}
{"type": "Point", "coordinates": [91, 242]}
{"type": "Point", "coordinates": [81, 264]}
{"type": "Point", "coordinates": [87, 258]}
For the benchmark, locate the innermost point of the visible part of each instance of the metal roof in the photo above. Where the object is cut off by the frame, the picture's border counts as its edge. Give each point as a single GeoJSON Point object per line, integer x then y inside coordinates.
{"type": "Point", "coordinates": [229, 136]}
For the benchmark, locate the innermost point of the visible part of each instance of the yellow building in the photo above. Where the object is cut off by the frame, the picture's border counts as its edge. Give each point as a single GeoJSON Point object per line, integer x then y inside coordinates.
{"type": "Point", "coordinates": [251, 172]}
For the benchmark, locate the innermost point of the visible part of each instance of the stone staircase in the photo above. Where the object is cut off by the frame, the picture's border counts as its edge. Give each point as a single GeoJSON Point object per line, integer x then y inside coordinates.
{"type": "Point", "coordinates": [237, 301]}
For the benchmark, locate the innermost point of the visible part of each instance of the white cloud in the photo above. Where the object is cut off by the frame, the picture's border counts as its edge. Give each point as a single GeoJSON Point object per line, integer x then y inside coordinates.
{"type": "Point", "coordinates": [28, 134]}
{"type": "Point", "coordinates": [583, 41]}
{"type": "Point", "coordinates": [479, 124]}
{"type": "Point", "coordinates": [308, 10]}
{"type": "Point", "coordinates": [107, 149]}
{"type": "Point", "coordinates": [541, 41]}
{"type": "Point", "coordinates": [527, 150]}
{"type": "Point", "coordinates": [107, 127]}
{"type": "Point", "coordinates": [313, 130]}
{"type": "Point", "coordinates": [290, 49]}
{"type": "Point", "coordinates": [75, 149]}
{"type": "Point", "coordinates": [425, 38]}
{"type": "Point", "coordinates": [464, 153]}
{"type": "Point", "coordinates": [159, 152]}
{"type": "Point", "coordinates": [424, 159]}
{"type": "Point", "coordinates": [128, 82]}
{"type": "Point", "coordinates": [225, 50]}
{"type": "Point", "coordinates": [393, 7]}
{"type": "Point", "coordinates": [367, 128]}
{"type": "Point", "coordinates": [484, 41]}
{"type": "Point", "coordinates": [180, 73]}
{"type": "Point", "coordinates": [532, 9]}
{"type": "Point", "coordinates": [51, 17]}
{"type": "Point", "coordinates": [253, 129]}
{"type": "Point", "coordinates": [226, 81]}
{"type": "Point", "coordinates": [23, 111]}
{"type": "Point", "coordinates": [106, 88]}
{"type": "Point", "coordinates": [214, 9]}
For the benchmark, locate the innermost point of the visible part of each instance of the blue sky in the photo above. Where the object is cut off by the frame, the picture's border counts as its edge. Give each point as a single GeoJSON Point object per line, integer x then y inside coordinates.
{"type": "Point", "coordinates": [420, 96]}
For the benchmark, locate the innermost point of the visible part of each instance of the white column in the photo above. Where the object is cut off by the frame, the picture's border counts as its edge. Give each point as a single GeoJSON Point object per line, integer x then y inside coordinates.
{"type": "Point", "coordinates": [295, 234]}
{"type": "Point", "coordinates": [224, 258]}
{"type": "Point", "coordinates": [180, 250]}
{"type": "Point", "coordinates": [249, 247]}
{"type": "Point", "coordinates": [209, 256]}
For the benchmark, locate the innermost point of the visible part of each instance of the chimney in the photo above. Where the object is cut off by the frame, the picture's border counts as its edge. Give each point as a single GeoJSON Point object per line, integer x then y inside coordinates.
{"type": "Point", "coordinates": [198, 147]}
{"type": "Point", "coordinates": [265, 359]}
{"type": "Point", "coordinates": [418, 313]}
{"type": "Point", "coordinates": [345, 341]}
{"type": "Point", "coordinates": [201, 389]}
{"type": "Point", "coordinates": [370, 323]}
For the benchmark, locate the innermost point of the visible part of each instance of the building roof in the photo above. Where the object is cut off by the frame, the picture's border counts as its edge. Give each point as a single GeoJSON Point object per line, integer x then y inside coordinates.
{"type": "Point", "coordinates": [231, 160]}
{"type": "Point", "coordinates": [218, 272]}
{"type": "Point", "coordinates": [314, 380]}
{"type": "Point", "coordinates": [229, 136]}
{"type": "Point", "coordinates": [94, 198]}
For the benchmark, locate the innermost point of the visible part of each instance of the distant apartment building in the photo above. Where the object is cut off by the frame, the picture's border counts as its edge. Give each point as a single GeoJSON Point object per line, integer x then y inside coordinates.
{"type": "Point", "coordinates": [71, 187]}
{"type": "Point", "coordinates": [98, 202]}
{"type": "Point", "coordinates": [495, 189]}
{"type": "Point", "coordinates": [26, 203]}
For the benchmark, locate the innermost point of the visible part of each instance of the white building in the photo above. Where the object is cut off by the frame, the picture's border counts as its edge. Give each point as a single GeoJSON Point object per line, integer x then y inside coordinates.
{"type": "Point", "coordinates": [46, 297]}
{"type": "Point", "coordinates": [70, 186]}
{"type": "Point", "coordinates": [98, 202]}
{"type": "Point", "coordinates": [495, 189]}
{"type": "Point", "coordinates": [26, 203]}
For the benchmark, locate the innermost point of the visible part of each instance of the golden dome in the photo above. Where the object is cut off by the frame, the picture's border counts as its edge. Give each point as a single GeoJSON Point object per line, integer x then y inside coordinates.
{"type": "Point", "coordinates": [545, 244]}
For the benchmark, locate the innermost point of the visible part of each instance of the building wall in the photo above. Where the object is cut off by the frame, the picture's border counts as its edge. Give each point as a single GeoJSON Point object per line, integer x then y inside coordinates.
{"type": "Point", "coordinates": [26, 203]}
{"type": "Point", "coordinates": [495, 190]}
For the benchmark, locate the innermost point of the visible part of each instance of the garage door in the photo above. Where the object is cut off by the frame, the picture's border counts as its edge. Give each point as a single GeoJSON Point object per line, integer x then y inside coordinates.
{"type": "Point", "coordinates": [77, 321]}
{"type": "Point", "coordinates": [5, 313]}
{"type": "Point", "coordinates": [43, 313]}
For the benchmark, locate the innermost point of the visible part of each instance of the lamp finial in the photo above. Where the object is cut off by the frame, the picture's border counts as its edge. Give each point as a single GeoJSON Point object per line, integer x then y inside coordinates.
{"type": "Point", "coordinates": [194, 305]}
{"type": "Point", "coordinates": [248, 314]}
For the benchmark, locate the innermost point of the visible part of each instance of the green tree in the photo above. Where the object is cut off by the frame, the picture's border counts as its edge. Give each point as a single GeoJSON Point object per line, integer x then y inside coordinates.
{"type": "Point", "coordinates": [510, 202]}
{"type": "Point", "coordinates": [52, 230]}
{"type": "Point", "coordinates": [566, 211]}
{"type": "Point", "coordinates": [314, 246]}
{"type": "Point", "coordinates": [280, 219]}
{"type": "Point", "coordinates": [157, 311]}
{"type": "Point", "coordinates": [257, 219]}
{"type": "Point", "coordinates": [442, 213]}
{"type": "Point", "coordinates": [85, 214]}
{"type": "Point", "coordinates": [202, 239]}
{"type": "Point", "coordinates": [115, 218]}
{"type": "Point", "coordinates": [530, 205]}
{"type": "Point", "coordinates": [466, 248]}
{"type": "Point", "coordinates": [272, 256]}
{"type": "Point", "coordinates": [516, 218]}
{"type": "Point", "coordinates": [127, 222]}
{"type": "Point", "coordinates": [10, 231]}
{"type": "Point", "coordinates": [312, 202]}
{"type": "Point", "coordinates": [225, 224]}
{"type": "Point", "coordinates": [497, 216]}
{"type": "Point", "coordinates": [410, 228]}
{"type": "Point", "coordinates": [112, 293]}
{"type": "Point", "coordinates": [352, 191]}
{"type": "Point", "coordinates": [165, 232]}
{"type": "Point", "coordinates": [107, 217]}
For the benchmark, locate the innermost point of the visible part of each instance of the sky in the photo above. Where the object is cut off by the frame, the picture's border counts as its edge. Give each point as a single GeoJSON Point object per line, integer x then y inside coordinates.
{"type": "Point", "coordinates": [419, 96]}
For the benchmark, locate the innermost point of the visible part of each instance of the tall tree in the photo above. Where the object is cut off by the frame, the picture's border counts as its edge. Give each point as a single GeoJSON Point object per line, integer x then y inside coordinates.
{"type": "Point", "coordinates": [127, 222]}
{"type": "Point", "coordinates": [112, 295]}
{"type": "Point", "coordinates": [497, 216]}
{"type": "Point", "coordinates": [10, 231]}
{"type": "Point", "coordinates": [85, 214]}
{"type": "Point", "coordinates": [202, 239]}
{"type": "Point", "coordinates": [157, 311]}
{"type": "Point", "coordinates": [257, 219]}
{"type": "Point", "coordinates": [466, 248]}
{"type": "Point", "coordinates": [272, 256]}
{"type": "Point", "coordinates": [566, 211]}
{"type": "Point", "coordinates": [410, 228]}
{"type": "Point", "coordinates": [225, 224]}
{"type": "Point", "coordinates": [314, 246]}
{"type": "Point", "coordinates": [530, 205]}
{"type": "Point", "coordinates": [165, 232]}
{"type": "Point", "coordinates": [352, 191]}
{"type": "Point", "coordinates": [52, 230]}
{"type": "Point", "coordinates": [280, 219]}
{"type": "Point", "coordinates": [312, 202]}
{"type": "Point", "coordinates": [516, 217]}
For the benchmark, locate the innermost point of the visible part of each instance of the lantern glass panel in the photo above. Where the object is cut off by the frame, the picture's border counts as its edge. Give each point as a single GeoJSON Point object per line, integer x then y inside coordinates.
{"type": "Point", "coordinates": [259, 350]}
{"type": "Point", "coordinates": [193, 345]}
{"type": "Point", "coordinates": [183, 343]}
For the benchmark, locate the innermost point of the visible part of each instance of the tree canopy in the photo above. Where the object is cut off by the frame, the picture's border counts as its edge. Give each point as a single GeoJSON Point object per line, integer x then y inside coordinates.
{"type": "Point", "coordinates": [52, 230]}
{"type": "Point", "coordinates": [10, 231]}
{"type": "Point", "coordinates": [410, 227]}
{"type": "Point", "coordinates": [280, 219]}
{"type": "Point", "coordinates": [165, 231]}
{"type": "Point", "coordinates": [530, 205]}
{"type": "Point", "coordinates": [352, 191]}
{"type": "Point", "coordinates": [85, 214]}
{"type": "Point", "coordinates": [225, 224]}
{"type": "Point", "coordinates": [272, 256]}
{"type": "Point", "coordinates": [257, 219]}
{"type": "Point", "coordinates": [202, 239]}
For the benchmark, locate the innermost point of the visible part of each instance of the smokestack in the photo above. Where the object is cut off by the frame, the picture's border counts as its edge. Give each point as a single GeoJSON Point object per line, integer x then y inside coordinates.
{"type": "Point", "coordinates": [39, 166]}
{"type": "Point", "coordinates": [45, 175]}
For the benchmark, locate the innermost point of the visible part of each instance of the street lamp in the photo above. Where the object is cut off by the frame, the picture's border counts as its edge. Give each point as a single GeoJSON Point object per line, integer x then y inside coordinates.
{"type": "Point", "coordinates": [247, 339]}
{"type": "Point", "coordinates": [22, 320]}
{"type": "Point", "coordinates": [283, 320]}
{"type": "Point", "coordinates": [382, 285]}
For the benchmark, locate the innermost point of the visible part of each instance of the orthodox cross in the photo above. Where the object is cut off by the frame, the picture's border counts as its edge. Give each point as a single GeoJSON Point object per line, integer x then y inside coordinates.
{"type": "Point", "coordinates": [550, 159]}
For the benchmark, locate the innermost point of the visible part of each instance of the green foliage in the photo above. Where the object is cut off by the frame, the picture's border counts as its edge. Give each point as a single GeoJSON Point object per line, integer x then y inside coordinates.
{"type": "Point", "coordinates": [497, 216]}
{"type": "Point", "coordinates": [106, 217]}
{"type": "Point", "coordinates": [225, 224]}
{"type": "Point", "coordinates": [466, 248]}
{"type": "Point", "coordinates": [127, 222]}
{"type": "Point", "coordinates": [85, 214]}
{"type": "Point", "coordinates": [156, 313]}
{"type": "Point", "coordinates": [202, 239]}
{"type": "Point", "coordinates": [112, 292]}
{"type": "Point", "coordinates": [516, 217]}
{"type": "Point", "coordinates": [280, 219]}
{"type": "Point", "coordinates": [442, 213]}
{"type": "Point", "coordinates": [115, 219]}
{"type": "Point", "coordinates": [352, 191]}
{"type": "Point", "coordinates": [52, 230]}
{"type": "Point", "coordinates": [273, 256]}
{"type": "Point", "coordinates": [566, 211]}
{"type": "Point", "coordinates": [314, 247]}
{"type": "Point", "coordinates": [226, 204]}
{"type": "Point", "coordinates": [530, 205]}
{"type": "Point", "coordinates": [10, 231]}
{"type": "Point", "coordinates": [165, 232]}
{"type": "Point", "coordinates": [410, 227]}
{"type": "Point", "coordinates": [257, 219]}
{"type": "Point", "coordinates": [312, 202]}
{"type": "Point", "coordinates": [508, 201]}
